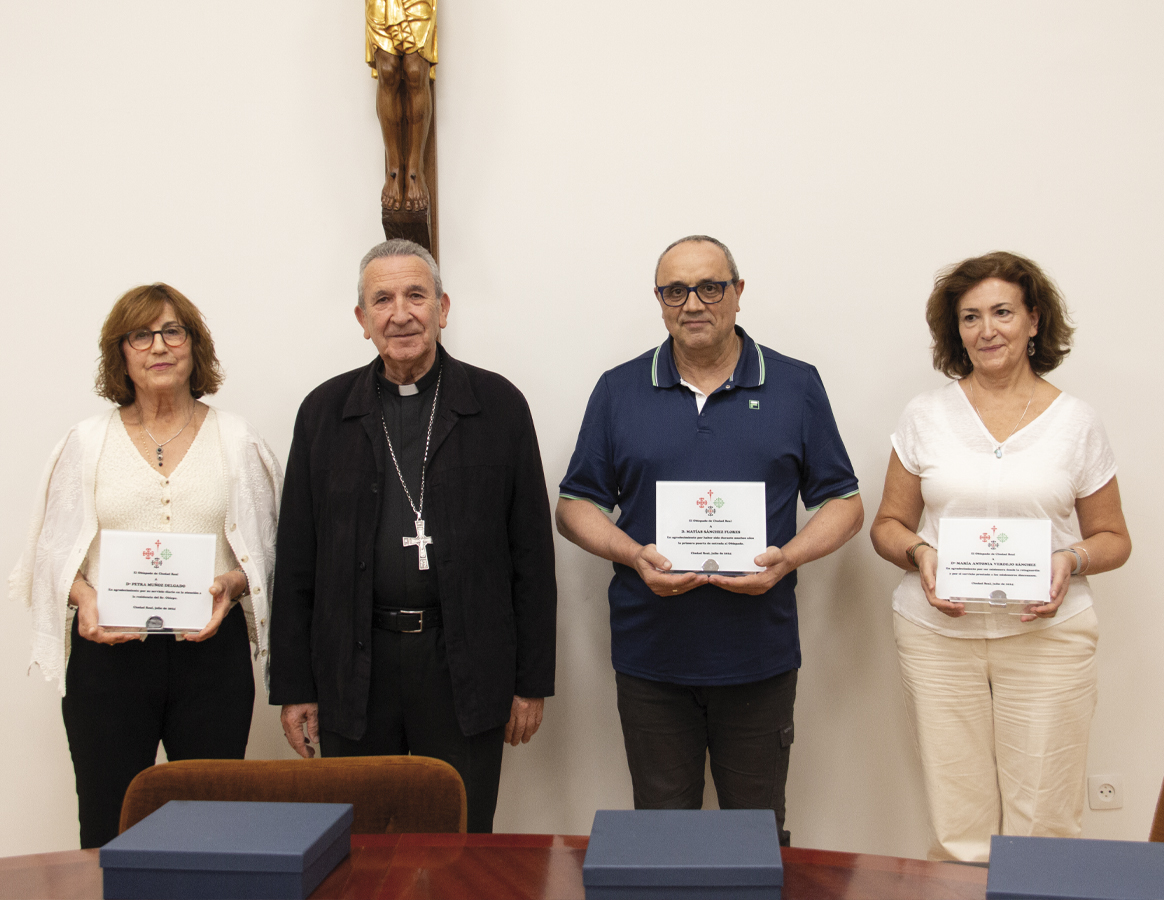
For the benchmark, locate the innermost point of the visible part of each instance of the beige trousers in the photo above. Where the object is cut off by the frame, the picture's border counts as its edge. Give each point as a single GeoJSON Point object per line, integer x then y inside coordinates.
{"type": "Point", "coordinates": [1001, 726]}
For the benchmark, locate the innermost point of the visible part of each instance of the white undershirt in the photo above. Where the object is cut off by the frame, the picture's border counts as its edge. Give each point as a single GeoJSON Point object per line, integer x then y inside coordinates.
{"type": "Point", "coordinates": [700, 397]}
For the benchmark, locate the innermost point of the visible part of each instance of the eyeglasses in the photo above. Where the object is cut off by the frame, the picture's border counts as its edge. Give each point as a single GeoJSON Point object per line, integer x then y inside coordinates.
{"type": "Point", "coordinates": [706, 291]}
{"type": "Point", "coordinates": [143, 338]}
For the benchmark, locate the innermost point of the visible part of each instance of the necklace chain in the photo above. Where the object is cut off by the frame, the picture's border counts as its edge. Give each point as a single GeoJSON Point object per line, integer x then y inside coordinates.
{"type": "Point", "coordinates": [161, 444]}
{"type": "Point", "coordinates": [998, 449]}
{"type": "Point", "coordinates": [416, 509]}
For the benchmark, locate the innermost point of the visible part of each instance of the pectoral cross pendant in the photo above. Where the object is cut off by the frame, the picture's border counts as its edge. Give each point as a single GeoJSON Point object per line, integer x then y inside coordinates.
{"type": "Point", "coordinates": [420, 542]}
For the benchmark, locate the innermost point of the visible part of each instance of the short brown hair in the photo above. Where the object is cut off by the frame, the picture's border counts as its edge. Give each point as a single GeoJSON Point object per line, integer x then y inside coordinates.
{"type": "Point", "coordinates": [137, 308]}
{"type": "Point", "coordinates": [1053, 340]}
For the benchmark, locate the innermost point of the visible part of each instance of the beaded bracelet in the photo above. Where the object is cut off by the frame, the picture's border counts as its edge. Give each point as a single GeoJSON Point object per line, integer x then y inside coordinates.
{"type": "Point", "coordinates": [910, 553]}
{"type": "Point", "coordinates": [243, 572]}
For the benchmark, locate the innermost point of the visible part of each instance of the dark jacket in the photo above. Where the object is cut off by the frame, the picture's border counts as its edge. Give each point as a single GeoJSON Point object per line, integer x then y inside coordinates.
{"type": "Point", "coordinates": [487, 509]}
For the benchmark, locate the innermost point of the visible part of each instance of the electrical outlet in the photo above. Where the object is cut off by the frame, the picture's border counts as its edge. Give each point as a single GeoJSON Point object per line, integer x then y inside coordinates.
{"type": "Point", "coordinates": [1105, 792]}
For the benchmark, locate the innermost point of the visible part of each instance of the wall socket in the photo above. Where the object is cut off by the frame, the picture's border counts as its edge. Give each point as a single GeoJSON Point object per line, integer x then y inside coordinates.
{"type": "Point", "coordinates": [1105, 791]}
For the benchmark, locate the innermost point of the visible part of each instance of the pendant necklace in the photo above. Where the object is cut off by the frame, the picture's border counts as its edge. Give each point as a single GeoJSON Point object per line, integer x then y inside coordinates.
{"type": "Point", "coordinates": [160, 444]}
{"type": "Point", "coordinates": [422, 540]}
{"type": "Point", "coordinates": [998, 449]}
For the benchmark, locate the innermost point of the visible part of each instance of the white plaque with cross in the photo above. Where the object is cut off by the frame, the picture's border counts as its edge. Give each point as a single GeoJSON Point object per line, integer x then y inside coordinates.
{"type": "Point", "coordinates": [994, 564]}
{"type": "Point", "coordinates": [711, 526]}
{"type": "Point", "coordinates": [420, 542]}
{"type": "Point", "coordinates": [155, 581]}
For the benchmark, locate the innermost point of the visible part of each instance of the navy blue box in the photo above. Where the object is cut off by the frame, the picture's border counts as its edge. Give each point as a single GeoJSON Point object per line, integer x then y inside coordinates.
{"type": "Point", "coordinates": [213, 850]}
{"type": "Point", "coordinates": [1024, 868]}
{"type": "Point", "coordinates": [712, 854]}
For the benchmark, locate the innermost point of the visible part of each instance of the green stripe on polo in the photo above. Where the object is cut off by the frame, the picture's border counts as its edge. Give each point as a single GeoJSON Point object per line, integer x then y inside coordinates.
{"type": "Point", "coordinates": [609, 512]}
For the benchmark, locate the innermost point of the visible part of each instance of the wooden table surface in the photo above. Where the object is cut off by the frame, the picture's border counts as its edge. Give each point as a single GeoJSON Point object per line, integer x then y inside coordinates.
{"type": "Point", "coordinates": [516, 866]}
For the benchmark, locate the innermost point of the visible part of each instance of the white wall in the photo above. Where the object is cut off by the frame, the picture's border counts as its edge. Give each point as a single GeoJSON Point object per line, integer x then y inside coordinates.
{"type": "Point", "coordinates": [844, 151]}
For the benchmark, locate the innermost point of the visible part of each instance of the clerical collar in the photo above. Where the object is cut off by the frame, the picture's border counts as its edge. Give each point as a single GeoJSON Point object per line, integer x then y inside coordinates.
{"type": "Point", "coordinates": [422, 384]}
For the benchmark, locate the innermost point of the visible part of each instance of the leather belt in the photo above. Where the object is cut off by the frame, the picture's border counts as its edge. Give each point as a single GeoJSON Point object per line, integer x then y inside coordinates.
{"type": "Point", "coordinates": [406, 621]}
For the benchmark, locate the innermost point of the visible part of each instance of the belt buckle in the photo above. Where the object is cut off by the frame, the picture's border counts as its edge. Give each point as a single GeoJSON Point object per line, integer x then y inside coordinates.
{"type": "Point", "coordinates": [419, 613]}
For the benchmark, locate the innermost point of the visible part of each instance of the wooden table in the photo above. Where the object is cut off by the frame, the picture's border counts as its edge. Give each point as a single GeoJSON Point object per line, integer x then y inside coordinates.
{"type": "Point", "coordinates": [515, 866]}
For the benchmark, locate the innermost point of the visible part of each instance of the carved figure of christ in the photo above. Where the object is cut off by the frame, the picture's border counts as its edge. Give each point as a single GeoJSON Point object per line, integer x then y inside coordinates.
{"type": "Point", "coordinates": [420, 542]}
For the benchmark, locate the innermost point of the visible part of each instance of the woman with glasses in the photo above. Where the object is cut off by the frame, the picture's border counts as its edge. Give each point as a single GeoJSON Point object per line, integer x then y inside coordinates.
{"type": "Point", "coordinates": [159, 461]}
{"type": "Point", "coordinates": [1000, 704]}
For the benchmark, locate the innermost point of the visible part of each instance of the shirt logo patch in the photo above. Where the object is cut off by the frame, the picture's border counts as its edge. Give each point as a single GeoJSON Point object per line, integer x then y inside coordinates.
{"type": "Point", "coordinates": [753, 404]}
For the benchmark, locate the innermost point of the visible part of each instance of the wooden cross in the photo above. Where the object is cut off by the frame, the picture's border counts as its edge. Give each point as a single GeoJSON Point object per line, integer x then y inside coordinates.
{"type": "Point", "coordinates": [420, 542]}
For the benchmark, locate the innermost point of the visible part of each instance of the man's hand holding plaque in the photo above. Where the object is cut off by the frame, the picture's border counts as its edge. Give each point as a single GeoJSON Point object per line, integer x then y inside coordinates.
{"type": "Point", "coordinates": [711, 527]}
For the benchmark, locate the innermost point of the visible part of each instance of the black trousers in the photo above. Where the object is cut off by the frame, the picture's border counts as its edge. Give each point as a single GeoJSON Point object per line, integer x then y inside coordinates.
{"type": "Point", "coordinates": [668, 729]}
{"type": "Point", "coordinates": [121, 699]}
{"type": "Point", "coordinates": [410, 710]}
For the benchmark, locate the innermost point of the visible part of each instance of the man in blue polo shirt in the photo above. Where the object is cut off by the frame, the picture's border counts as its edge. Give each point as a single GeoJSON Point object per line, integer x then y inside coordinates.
{"type": "Point", "coordinates": [707, 662]}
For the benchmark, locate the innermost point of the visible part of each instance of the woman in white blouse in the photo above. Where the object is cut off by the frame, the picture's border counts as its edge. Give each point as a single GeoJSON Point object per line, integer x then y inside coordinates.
{"type": "Point", "coordinates": [160, 461]}
{"type": "Point", "coordinates": [1000, 704]}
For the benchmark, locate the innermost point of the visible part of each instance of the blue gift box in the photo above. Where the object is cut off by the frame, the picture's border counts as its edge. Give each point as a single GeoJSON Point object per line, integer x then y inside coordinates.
{"type": "Point", "coordinates": [1024, 868]}
{"type": "Point", "coordinates": [205, 850]}
{"type": "Point", "coordinates": [691, 854]}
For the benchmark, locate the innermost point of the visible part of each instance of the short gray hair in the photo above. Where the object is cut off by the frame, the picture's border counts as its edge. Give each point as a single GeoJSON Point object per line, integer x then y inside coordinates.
{"type": "Point", "coordinates": [400, 247]}
{"type": "Point", "coordinates": [701, 239]}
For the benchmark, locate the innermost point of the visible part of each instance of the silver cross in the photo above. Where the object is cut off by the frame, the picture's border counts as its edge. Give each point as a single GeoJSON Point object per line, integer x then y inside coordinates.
{"type": "Point", "coordinates": [419, 542]}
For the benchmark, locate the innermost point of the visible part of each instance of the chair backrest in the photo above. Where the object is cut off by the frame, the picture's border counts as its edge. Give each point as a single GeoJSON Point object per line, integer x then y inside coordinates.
{"type": "Point", "coordinates": [390, 793]}
{"type": "Point", "coordinates": [1157, 832]}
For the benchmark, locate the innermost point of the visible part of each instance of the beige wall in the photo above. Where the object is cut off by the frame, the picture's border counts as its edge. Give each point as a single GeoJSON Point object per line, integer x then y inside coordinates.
{"type": "Point", "coordinates": [844, 151]}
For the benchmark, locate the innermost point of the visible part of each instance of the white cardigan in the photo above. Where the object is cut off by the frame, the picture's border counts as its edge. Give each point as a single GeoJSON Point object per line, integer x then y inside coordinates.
{"type": "Point", "coordinates": [64, 523]}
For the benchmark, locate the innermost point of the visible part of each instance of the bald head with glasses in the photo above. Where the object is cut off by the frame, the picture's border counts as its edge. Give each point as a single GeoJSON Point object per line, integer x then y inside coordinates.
{"type": "Point", "coordinates": [698, 288]}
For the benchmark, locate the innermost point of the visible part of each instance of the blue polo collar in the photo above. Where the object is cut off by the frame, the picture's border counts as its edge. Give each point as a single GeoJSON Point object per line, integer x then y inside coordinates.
{"type": "Point", "coordinates": [749, 367]}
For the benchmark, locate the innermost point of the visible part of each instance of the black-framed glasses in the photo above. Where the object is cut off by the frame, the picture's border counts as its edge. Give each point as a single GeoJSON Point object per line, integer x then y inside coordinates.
{"type": "Point", "coordinates": [143, 338]}
{"type": "Point", "coordinates": [706, 291]}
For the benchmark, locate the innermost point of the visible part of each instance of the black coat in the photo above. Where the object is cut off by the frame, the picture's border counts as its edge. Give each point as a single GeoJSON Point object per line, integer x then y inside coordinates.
{"type": "Point", "coordinates": [493, 553]}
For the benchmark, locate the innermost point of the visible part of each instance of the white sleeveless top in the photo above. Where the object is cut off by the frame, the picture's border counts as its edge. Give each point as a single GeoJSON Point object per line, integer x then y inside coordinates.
{"type": "Point", "coordinates": [131, 495]}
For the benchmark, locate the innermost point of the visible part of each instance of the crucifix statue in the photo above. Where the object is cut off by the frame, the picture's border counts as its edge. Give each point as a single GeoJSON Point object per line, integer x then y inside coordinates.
{"type": "Point", "coordinates": [401, 48]}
